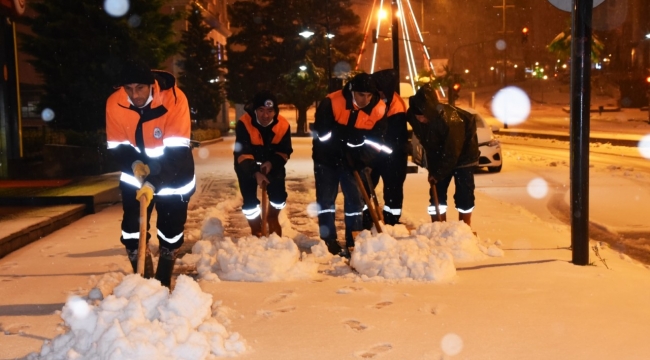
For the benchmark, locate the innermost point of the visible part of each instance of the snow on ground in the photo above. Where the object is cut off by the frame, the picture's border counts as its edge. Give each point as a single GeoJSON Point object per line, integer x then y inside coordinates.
{"type": "Point", "coordinates": [142, 320]}
{"type": "Point", "coordinates": [427, 254]}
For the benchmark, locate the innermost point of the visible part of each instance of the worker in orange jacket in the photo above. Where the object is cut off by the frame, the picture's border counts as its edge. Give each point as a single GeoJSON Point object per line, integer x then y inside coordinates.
{"type": "Point", "coordinates": [148, 132]}
{"type": "Point", "coordinates": [263, 147]}
{"type": "Point", "coordinates": [349, 128]}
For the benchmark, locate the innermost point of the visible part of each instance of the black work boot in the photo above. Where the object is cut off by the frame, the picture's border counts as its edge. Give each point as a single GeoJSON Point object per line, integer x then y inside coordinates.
{"type": "Point", "coordinates": [256, 226]}
{"type": "Point", "coordinates": [367, 220]}
{"type": "Point", "coordinates": [165, 266]}
{"type": "Point", "coordinates": [148, 263]}
{"type": "Point", "coordinates": [333, 247]}
{"type": "Point", "coordinates": [390, 219]}
{"type": "Point", "coordinates": [274, 221]}
{"type": "Point", "coordinates": [443, 217]}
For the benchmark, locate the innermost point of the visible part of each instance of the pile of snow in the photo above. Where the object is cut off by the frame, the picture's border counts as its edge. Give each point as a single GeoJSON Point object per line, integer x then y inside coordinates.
{"type": "Point", "coordinates": [426, 254]}
{"type": "Point", "coordinates": [271, 258]}
{"type": "Point", "coordinates": [142, 320]}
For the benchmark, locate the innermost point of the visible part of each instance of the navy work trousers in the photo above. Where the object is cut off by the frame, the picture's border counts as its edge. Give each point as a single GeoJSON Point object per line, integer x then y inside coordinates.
{"type": "Point", "coordinates": [327, 186]}
{"type": "Point", "coordinates": [171, 211]}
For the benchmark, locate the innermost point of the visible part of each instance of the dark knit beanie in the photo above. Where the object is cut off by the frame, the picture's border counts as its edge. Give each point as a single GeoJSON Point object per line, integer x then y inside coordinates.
{"type": "Point", "coordinates": [265, 99]}
{"type": "Point", "coordinates": [136, 72]}
{"type": "Point", "coordinates": [362, 83]}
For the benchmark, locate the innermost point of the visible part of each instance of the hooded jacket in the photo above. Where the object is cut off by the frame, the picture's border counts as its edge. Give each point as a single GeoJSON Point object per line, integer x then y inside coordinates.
{"type": "Point", "coordinates": [258, 144]}
{"type": "Point", "coordinates": [449, 137]}
{"type": "Point", "coordinates": [341, 128]}
{"type": "Point", "coordinates": [157, 134]}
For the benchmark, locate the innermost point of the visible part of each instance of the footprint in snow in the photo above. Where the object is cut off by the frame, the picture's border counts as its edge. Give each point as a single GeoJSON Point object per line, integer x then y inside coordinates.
{"type": "Point", "coordinates": [272, 313]}
{"type": "Point", "coordinates": [374, 351]}
{"type": "Point", "coordinates": [279, 297]}
{"type": "Point", "coordinates": [382, 304]}
{"type": "Point", "coordinates": [355, 325]}
{"type": "Point", "coordinates": [348, 289]}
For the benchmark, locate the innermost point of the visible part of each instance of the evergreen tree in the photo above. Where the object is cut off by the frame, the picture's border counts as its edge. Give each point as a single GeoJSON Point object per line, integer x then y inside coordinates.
{"type": "Point", "coordinates": [201, 75]}
{"type": "Point", "coordinates": [265, 48]}
{"type": "Point", "coordinates": [78, 50]}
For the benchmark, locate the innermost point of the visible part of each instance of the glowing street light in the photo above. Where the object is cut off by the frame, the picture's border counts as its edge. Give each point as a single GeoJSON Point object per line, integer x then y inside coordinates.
{"type": "Point", "coordinates": [306, 34]}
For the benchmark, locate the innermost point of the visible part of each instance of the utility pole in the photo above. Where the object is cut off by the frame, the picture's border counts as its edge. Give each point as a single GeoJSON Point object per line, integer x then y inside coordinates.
{"type": "Point", "coordinates": [504, 32]}
{"type": "Point", "coordinates": [395, 35]}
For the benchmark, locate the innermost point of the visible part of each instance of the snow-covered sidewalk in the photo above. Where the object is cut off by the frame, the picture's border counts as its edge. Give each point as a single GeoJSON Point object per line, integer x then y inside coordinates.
{"type": "Point", "coordinates": [431, 294]}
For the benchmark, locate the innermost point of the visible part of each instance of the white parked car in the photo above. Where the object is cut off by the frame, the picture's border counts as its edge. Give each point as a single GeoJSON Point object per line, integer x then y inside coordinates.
{"type": "Point", "coordinates": [490, 147]}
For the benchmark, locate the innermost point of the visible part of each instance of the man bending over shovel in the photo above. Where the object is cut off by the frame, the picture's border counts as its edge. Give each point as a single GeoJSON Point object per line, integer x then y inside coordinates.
{"type": "Point", "coordinates": [448, 135]}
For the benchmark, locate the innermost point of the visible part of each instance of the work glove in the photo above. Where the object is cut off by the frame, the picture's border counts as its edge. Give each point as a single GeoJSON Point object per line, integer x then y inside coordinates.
{"type": "Point", "coordinates": [140, 170]}
{"type": "Point", "coordinates": [432, 179]}
{"type": "Point", "coordinates": [266, 168]}
{"type": "Point", "coordinates": [147, 191]}
{"type": "Point", "coordinates": [261, 179]}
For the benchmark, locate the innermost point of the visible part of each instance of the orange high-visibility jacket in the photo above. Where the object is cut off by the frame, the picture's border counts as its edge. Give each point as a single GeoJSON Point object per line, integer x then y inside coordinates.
{"type": "Point", "coordinates": [157, 134]}
{"type": "Point", "coordinates": [257, 144]}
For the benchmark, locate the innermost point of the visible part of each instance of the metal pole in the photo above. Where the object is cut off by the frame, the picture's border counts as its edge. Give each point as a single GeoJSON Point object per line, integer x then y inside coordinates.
{"type": "Point", "coordinates": [579, 147]}
{"type": "Point", "coordinates": [505, 50]}
{"type": "Point", "coordinates": [395, 35]}
{"type": "Point", "coordinates": [329, 49]}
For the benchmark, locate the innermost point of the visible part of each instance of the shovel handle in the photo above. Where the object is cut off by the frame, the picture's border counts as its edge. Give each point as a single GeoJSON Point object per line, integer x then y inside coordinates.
{"type": "Point", "coordinates": [366, 198]}
{"type": "Point", "coordinates": [434, 191]}
{"type": "Point", "coordinates": [373, 195]}
{"type": "Point", "coordinates": [265, 212]}
{"type": "Point", "coordinates": [142, 243]}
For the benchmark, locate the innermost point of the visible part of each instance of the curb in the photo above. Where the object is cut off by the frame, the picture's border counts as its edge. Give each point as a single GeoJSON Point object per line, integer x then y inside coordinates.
{"type": "Point", "coordinates": [631, 141]}
{"type": "Point", "coordinates": [567, 109]}
{"type": "Point", "coordinates": [45, 222]}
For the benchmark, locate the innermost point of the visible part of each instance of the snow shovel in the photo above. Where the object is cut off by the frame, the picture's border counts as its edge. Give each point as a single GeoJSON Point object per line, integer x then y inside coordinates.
{"type": "Point", "coordinates": [142, 244]}
{"type": "Point", "coordinates": [371, 205]}
{"type": "Point", "coordinates": [373, 195]}
{"type": "Point", "coordinates": [265, 210]}
{"type": "Point", "coordinates": [435, 200]}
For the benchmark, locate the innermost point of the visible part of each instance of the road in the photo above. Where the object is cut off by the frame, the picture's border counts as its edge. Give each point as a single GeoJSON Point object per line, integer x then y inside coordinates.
{"type": "Point", "coordinates": [619, 180]}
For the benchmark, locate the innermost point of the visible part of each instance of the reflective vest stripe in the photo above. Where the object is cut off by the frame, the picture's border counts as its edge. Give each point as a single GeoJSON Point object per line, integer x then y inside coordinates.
{"type": "Point", "coordinates": [251, 214]}
{"type": "Point", "coordinates": [176, 141]}
{"type": "Point", "coordinates": [432, 209]}
{"type": "Point", "coordinates": [395, 212]}
{"type": "Point", "coordinates": [170, 240]}
{"type": "Point", "coordinates": [278, 206]}
{"type": "Point", "coordinates": [133, 181]}
{"type": "Point", "coordinates": [129, 236]}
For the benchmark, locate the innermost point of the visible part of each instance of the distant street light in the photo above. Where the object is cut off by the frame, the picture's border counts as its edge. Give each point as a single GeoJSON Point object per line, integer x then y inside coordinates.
{"type": "Point", "coordinates": [302, 67]}
{"type": "Point", "coordinates": [306, 34]}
